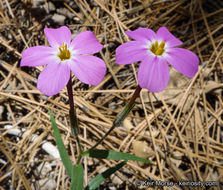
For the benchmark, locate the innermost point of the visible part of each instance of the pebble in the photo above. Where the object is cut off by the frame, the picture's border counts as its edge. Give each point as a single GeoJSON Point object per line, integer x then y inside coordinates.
{"type": "Point", "coordinates": [12, 131]}
{"type": "Point", "coordinates": [143, 24]}
{"type": "Point", "coordinates": [65, 12]}
{"type": "Point", "coordinates": [111, 45]}
{"type": "Point", "coordinates": [49, 7]}
{"type": "Point", "coordinates": [58, 19]}
{"type": "Point", "coordinates": [36, 3]}
{"type": "Point", "coordinates": [116, 180]}
{"type": "Point", "coordinates": [1, 111]}
{"type": "Point", "coordinates": [48, 184]}
{"type": "Point", "coordinates": [44, 97]}
{"type": "Point", "coordinates": [42, 4]}
{"type": "Point", "coordinates": [51, 149]}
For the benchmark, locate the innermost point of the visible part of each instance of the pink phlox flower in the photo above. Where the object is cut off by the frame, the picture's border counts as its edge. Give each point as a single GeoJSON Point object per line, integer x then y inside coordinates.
{"type": "Point", "coordinates": [154, 50]}
{"type": "Point", "coordinates": [64, 56]}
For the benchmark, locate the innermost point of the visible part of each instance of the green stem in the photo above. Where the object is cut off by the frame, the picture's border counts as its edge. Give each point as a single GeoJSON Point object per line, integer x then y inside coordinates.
{"type": "Point", "coordinates": [72, 114]}
{"type": "Point", "coordinates": [122, 115]}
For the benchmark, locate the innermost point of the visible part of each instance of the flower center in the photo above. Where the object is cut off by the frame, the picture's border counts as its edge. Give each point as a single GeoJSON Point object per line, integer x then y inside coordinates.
{"type": "Point", "coordinates": [64, 52]}
{"type": "Point", "coordinates": [157, 48]}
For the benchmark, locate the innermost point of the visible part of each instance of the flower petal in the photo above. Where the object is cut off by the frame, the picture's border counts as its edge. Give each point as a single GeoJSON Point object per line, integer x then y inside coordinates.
{"type": "Point", "coordinates": [88, 69]}
{"type": "Point", "coordinates": [131, 52]}
{"type": "Point", "coordinates": [53, 78]}
{"type": "Point", "coordinates": [164, 35]}
{"type": "Point", "coordinates": [37, 56]}
{"type": "Point", "coordinates": [141, 34]}
{"type": "Point", "coordinates": [183, 60]}
{"type": "Point", "coordinates": [86, 43]}
{"type": "Point", "coordinates": [153, 74]}
{"type": "Point", "coordinates": [56, 37]}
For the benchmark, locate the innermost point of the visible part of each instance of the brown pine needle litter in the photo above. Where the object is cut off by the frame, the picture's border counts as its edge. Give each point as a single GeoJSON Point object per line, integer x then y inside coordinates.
{"type": "Point", "coordinates": [180, 129]}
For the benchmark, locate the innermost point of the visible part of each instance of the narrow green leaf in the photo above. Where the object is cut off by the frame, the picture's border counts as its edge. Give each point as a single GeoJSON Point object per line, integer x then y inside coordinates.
{"type": "Point", "coordinates": [95, 182]}
{"type": "Point", "coordinates": [61, 147]}
{"type": "Point", "coordinates": [77, 178]}
{"type": "Point", "coordinates": [113, 155]}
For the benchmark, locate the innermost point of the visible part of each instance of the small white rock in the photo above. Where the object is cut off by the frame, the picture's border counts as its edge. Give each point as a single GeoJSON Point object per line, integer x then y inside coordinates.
{"type": "Point", "coordinates": [51, 149]}
{"type": "Point", "coordinates": [116, 180]}
{"type": "Point", "coordinates": [49, 7]}
{"type": "Point", "coordinates": [59, 19]}
{"type": "Point", "coordinates": [1, 111]}
{"type": "Point", "coordinates": [48, 184]}
{"type": "Point", "coordinates": [12, 131]}
{"type": "Point", "coordinates": [36, 3]}
{"type": "Point", "coordinates": [45, 98]}
{"type": "Point", "coordinates": [65, 12]}
{"type": "Point", "coordinates": [143, 24]}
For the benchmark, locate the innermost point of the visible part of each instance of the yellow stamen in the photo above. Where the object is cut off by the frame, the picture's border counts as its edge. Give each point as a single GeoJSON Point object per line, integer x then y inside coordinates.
{"type": "Point", "coordinates": [156, 44]}
{"type": "Point", "coordinates": [157, 48]}
{"type": "Point", "coordinates": [64, 52]}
